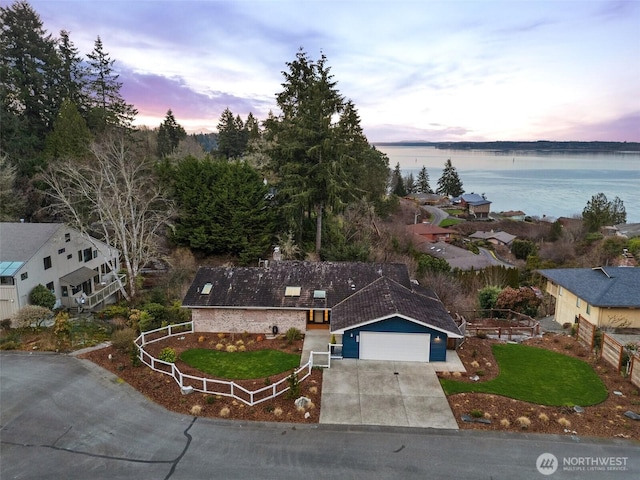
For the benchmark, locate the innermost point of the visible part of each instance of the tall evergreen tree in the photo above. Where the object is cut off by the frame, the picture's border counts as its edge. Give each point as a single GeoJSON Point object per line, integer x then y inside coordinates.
{"type": "Point", "coordinates": [232, 140]}
{"type": "Point", "coordinates": [410, 183]}
{"type": "Point", "coordinates": [422, 183]}
{"type": "Point", "coordinates": [450, 183]}
{"type": "Point", "coordinates": [73, 81]}
{"type": "Point", "coordinates": [29, 99]}
{"type": "Point", "coordinates": [397, 182]}
{"type": "Point", "coordinates": [70, 137]}
{"type": "Point", "coordinates": [169, 135]}
{"type": "Point", "coordinates": [305, 156]}
{"type": "Point", "coordinates": [109, 109]}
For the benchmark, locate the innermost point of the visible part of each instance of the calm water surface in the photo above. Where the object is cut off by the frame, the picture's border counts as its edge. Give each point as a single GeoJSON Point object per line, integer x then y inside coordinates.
{"type": "Point", "coordinates": [555, 184]}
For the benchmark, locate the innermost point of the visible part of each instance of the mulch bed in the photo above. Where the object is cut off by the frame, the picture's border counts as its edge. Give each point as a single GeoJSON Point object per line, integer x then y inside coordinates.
{"type": "Point", "coordinates": [163, 389]}
{"type": "Point", "coordinates": [603, 420]}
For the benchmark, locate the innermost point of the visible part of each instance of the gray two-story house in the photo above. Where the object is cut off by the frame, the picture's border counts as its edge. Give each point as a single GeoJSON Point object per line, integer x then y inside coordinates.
{"type": "Point", "coordinates": [80, 270]}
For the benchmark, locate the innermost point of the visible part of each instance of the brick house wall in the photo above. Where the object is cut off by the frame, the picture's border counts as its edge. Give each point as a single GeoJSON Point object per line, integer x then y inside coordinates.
{"type": "Point", "coordinates": [244, 320]}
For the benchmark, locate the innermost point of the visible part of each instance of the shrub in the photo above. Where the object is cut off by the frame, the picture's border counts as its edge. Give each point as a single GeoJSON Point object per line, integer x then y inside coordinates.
{"type": "Point", "coordinates": [31, 316]}
{"type": "Point", "coordinates": [524, 422]}
{"type": "Point", "coordinates": [267, 381]}
{"type": "Point", "coordinates": [116, 310]}
{"type": "Point", "coordinates": [168, 354]}
{"type": "Point", "coordinates": [61, 327]}
{"type": "Point", "coordinates": [294, 386]}
{"type": "Point", "coordinates": [543, 417]}
{"type": "Point", "coordinates": [225, 412]}
{"type": "Point", "coordinates": [219, 346]}
{"type": "Point", "coordinates": [292, 335]}
{"type": "Point", "coordinates": [505, 423]}
{"type": "Point", "coordinates": [564, 422]}
{"type": "Point", "coordinates": [122, 340]}
{"type": "Point", "coordinates": [242, 348]}
{"type": "Point", "coordinates": [475, 413]}
{"type": "Point", "coordinates": [277, 412]}
{"type": "Point", "coordinates": [210, 399]}
{"type": "Point", "coordinates": [5, 324]}
{"type": "Point", "coordinates": [239, 342]}
{"type": "Point", "coordinates": [201, 339]}
{"type": "Point", "coordinates": [231, 348]}
{"type": "Point", "coordinates": [157, 311]}
{"type": "Point", "coordinates": [259, 338]}
{"type": "Point", "coordinates": [196, 410]}
{"type": "Point", "coordinates": [146, 322]}
{"type": "Point", "coordinates": [41, 296]}
{"type": "Point", "coordinates": [313, 390]}
{"type": "Point", "coordinates": [481, 335]}
{"type": "Point", "coordinates": [487, 297]}
{"type": "Point", "coordinates": [475, 364]}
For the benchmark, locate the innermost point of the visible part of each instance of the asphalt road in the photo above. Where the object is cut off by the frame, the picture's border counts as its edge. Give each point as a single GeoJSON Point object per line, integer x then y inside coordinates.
{"type": "Point", "coordinates": [64, 418]}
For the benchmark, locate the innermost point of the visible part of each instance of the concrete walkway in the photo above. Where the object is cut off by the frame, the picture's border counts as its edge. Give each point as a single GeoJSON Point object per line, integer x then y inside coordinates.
{"type": "Point", "coordinates": [316, 341]}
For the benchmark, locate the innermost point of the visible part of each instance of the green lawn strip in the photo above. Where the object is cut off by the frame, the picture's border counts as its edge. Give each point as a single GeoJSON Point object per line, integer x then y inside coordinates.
{"type": "Point", "coordinates": [538, 376]}
{"type": "Point", "coordinates": [447, 222]}
{"type": "Point", "coordinates": [240, 365]}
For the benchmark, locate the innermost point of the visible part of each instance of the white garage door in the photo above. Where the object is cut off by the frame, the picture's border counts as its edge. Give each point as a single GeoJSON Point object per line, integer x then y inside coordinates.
{"type": "Point", "coordinates": [404, 347]}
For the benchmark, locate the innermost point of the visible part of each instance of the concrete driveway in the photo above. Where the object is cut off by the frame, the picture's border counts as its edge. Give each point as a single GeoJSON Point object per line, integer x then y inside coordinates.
{"type": "Point", "coordinates": [369, 392]}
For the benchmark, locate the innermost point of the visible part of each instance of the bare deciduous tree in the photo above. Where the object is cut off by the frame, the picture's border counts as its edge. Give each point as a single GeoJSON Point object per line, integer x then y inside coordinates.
{"type": "Point", "coordinates": [113, 196]}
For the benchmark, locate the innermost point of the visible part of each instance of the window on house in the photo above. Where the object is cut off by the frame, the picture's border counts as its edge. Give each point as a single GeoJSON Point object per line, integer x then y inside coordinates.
{"type": "Point", "coordinates": [65, 291]}
{"type": "Point", "coordinates": [47, 263]}
{"type": "Point", "coordinates": [560, 291]}
{"type": "Point", "coordinates": [67, 237]}
{"type": "Point", "coordinates": [69, 257]}
{"type": "Point", "coordinates": [588, 309]}
{"type": "Point", "coordinates": [88, 255]}
{"type": "Point", "coordinates": [24, 276]}
{"type": "Point", "coordinates": [79, 255]}
{"type": "Point", "coordinates": [95, 254]}
{"type": "Point", "coordinates": [61, 250]}
{"type": "Point", "coordinates": [50, 287]}
{"type": "Point", "coordinates": [578, 302]}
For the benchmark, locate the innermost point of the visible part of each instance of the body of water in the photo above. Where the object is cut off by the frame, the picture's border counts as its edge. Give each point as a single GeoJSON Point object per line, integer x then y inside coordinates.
{"type": "Point", "coordinates": [539, 184]}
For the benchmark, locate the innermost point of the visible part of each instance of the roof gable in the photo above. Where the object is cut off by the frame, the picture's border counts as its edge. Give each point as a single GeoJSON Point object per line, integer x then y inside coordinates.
{"type": "Point", "coordinates": [386, 298]}
{"type": "Point", "coordinates": [601, 286]}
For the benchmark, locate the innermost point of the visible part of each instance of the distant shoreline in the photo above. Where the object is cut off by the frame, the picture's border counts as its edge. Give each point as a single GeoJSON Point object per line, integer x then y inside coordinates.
{"type": "Point", "coordinates": [539, 146]}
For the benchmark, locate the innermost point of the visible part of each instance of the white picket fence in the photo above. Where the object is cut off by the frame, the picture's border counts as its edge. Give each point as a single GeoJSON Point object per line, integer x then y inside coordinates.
{"type": "Point", "coordinates": [189, 383]}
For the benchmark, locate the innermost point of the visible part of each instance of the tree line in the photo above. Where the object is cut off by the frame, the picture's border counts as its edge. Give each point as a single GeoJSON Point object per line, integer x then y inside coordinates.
{"type": "Point", "coordinates": [70, 152]}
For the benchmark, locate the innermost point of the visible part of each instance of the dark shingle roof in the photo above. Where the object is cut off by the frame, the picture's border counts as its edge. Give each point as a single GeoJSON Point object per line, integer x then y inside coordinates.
{"type": "Point", "coordinates": [602, 286]}
{"type": "Point", "coordinates": [384, 298]}
{"type": "Point", "coordinates": [258, 287]}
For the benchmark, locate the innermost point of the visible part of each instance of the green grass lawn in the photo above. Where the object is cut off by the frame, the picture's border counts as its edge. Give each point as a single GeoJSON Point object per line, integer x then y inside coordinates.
{"type": "Point", "coordinates": [538, 376]}
{"type": "Point", "coordinates": [447, 222]}
{"type": "Point", "coordinates": [240, 365]}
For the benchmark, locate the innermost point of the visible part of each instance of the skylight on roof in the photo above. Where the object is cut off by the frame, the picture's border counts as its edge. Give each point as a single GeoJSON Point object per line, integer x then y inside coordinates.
{"type": "Point", "coordinates": [319, 294]}
{"type": "Point", "coordinates": [292, 291]}
{"type": "Point", "coordinates": [206, 290]}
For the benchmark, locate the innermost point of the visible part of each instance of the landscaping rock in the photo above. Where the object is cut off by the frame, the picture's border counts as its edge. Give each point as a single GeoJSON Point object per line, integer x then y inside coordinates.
{"type": "Point", "coordinates": [475, 378]}
{"type": "Point", "coordinates": [632, 415]}
{"type": "Point", "coordinates": [616, 392]}
{"type": "Point", "coordinates": [578, 409]}
{"type": "Point", "coordinates": [302, 402]}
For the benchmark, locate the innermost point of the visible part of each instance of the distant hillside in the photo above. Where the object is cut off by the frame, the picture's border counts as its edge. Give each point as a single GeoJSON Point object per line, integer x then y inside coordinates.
{"type": "Point", "coordinates": [541, 145]}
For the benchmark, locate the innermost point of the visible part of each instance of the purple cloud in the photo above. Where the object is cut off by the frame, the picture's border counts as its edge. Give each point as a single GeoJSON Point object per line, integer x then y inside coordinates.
{"type": "Point", "coordinates": [153, 95]}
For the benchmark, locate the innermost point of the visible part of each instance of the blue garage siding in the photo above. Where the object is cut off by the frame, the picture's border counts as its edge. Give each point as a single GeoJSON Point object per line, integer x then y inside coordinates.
{"type": "Point", "coordinates": [351, 348]}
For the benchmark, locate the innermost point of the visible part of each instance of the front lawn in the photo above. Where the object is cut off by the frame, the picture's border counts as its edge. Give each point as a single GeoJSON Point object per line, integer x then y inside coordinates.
{"type": "Point", "coordinates": [538, 376]}
{"type": "Point", "coordinates": [240, 365]}
{"type": "Point", "coordinates": [447, 222]}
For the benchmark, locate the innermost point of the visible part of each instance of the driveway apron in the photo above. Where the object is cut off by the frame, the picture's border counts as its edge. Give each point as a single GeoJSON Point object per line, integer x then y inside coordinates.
{"type": "Point", "coordinates": [369, 392]}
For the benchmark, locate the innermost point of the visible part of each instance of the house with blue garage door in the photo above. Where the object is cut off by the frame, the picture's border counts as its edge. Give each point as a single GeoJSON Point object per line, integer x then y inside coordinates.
{"type": "Point", "coordinates": [388, 321]}
{"type": "Point", "coordinates": [379, 311]}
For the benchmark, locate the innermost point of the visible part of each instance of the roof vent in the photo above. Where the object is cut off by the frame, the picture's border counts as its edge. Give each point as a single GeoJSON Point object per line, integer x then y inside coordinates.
{"type": "Point", "coordinates": [602, 270]}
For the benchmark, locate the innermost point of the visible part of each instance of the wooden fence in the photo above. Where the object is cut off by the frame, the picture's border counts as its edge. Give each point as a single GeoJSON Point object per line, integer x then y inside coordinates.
{"type": "Point", "coordinates": [634, 374]}
{"type": "Point", "coordinates": [586, 332]}
{"type": "Point", "coordinates": [612, 351]}
{"type": "Point", "coordinates": [190, 383]}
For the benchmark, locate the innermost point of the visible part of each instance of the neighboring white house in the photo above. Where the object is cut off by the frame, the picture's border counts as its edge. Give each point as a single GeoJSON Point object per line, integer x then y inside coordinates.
{"type": "Point", "coordinates": [74, 267]}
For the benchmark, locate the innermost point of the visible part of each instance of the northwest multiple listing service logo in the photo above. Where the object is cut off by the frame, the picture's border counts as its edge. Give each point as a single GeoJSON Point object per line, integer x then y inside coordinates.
{"type": "Point", "coordinates": [548, 464]}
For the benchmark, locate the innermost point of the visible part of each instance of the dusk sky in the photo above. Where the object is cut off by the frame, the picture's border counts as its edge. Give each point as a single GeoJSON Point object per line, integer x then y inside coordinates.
{"type": "Point", "coordinates": [416, 70]}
